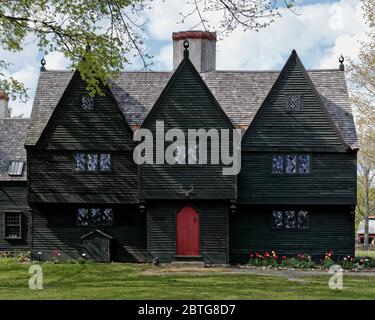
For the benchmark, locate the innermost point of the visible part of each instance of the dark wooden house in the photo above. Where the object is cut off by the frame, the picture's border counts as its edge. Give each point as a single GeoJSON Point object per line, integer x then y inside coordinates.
{"type": "Point", "coordinates": [84, 194]}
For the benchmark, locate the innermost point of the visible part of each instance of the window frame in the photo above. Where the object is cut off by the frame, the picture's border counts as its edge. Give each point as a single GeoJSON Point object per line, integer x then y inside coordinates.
{"type": "Point", "coordinates": [97, 171]}
{"type": "Point", "coordinates": [90, 224]}
{"type": "Point", "coordinates": [81, 102]}
{"type": "Point", "coordinates": [20, 214]}
{"type": "Point", "coordinates": [296, 228]}
{"type": "Point", "coordinates": [286, 103]}
{"type": "Point", "coordinates": [22, 171]}
{"type": "Point", "coordinates": [297, 173]}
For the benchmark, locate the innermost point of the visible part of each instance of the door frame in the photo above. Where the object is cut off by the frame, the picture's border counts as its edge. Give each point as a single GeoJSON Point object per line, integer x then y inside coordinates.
{"type": "Point", "coordinates": [175, 227]}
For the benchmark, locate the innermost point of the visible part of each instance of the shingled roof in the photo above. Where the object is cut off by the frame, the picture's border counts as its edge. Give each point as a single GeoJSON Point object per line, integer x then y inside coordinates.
{"type": "Point", "coordinates": [240, 94]}
{"type": "Point", "coordinates": [12, 139]}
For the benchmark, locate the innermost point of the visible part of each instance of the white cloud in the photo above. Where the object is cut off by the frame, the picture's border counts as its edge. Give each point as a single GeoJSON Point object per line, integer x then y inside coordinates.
{"type": "Point", "coordinates": [319, 33]}
{"type": "Point", "coordinates": [56, 60]}
{"type": "Point", "coordinates": [28, 75]}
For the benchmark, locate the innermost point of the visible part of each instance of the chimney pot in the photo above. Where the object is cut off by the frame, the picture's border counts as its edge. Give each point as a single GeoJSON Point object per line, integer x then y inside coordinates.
{"type": "Point", "coordinates": [202, 49]}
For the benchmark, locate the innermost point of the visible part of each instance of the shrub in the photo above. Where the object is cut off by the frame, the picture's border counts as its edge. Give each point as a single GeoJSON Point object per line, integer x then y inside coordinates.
{"type": "Point", "coordinates": [302, 261]}
{"type": "Point", "coordinates": [348, 263]}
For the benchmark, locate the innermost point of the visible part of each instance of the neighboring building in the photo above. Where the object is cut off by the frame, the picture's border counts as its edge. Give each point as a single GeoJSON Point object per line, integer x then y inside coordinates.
{"type": "Point", "coordinates": [296, 191]}
{"type": "Point", "coordinates": [371, 231]}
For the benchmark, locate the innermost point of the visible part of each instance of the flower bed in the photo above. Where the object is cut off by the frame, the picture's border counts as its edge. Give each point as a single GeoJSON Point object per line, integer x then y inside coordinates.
{"type": "Point", "coordinates": [305, 262]}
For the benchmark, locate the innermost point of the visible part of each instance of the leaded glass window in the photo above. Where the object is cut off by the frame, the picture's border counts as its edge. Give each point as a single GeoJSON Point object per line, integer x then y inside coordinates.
{"type": "Point", "coordinates": [83, 217]}
{"type": "Point", "coordinates": [13, 225]}
{"type": "Point", "coordinates": [87, 103]}
{"type": "Point", "coordinates": [277, 219]}
{"type": "Point", "coordinates": [105, 162]}
{"type": "Point", "coordinates": [293, 103]}
{"type": "Point", "coordinates": [303, 219]}
{"type": "Point", "coordinates": [80, 162]}
{"type": "Point", "coordinates": [304, 164]}
{"type": "Point", "coordinates": [291, 164]}
{"type": "Point", "coordinates": [193, 154]}
{"type": "Point", "coordinates": [290, 219]}
{"type": "Point", "coordinates": [92, 162]}
{"type": "Point", "coordinates": [277, 164]}
{"type": "Point", "coordinates": [95, 216]}
{"type": "Point", "coordinates": [179, 154]}
{"type": "Point", "coordinates": [107, 218]}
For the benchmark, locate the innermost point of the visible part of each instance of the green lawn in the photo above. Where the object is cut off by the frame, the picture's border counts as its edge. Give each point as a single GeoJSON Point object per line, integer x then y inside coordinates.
{"type": "Point", "coordinates": [127, 281]}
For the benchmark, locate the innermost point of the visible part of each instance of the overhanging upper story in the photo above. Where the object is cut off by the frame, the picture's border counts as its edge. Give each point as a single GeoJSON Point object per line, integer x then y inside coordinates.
{"type": "Point", "coordinates": [60, 129]}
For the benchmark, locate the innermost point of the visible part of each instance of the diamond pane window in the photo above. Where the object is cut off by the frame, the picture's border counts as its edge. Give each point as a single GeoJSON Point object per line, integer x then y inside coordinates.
{"type": "Point", "coordinates": [87, 103]}
{"type": "Point", "coordinates": [304, 164]}
{"type": "Point", "coordinates": [293, 103]}
{"type": "Point", "coordinates": [107, 218]}
{"type": "Point", "coordinates": [92, 162]}
{"type": "Point", "coordinates": [105, 162]}
{"type": "Point", "coordinates": [83, 217]}
{"type": "Point", "coordinates": [13, 225]}
{"type": "Point", "coordinates": [179, 154]}
{"type": "Point", "coordinates": [291, 164]}
{"type": "Point", "coordinates": [15, 168]}
{"type": "Point", "coordinates": [290, 219]}
{"type": "Point", "coordinates": [277, 164]}
{"type": "Point", "coordinates": [277, 219]}
{"type": "Point", "coordinates": [79, 162]}
{"type": "Point", "coordinates": [95, 216]}
{"type": "Point", "coordinates": [193, 154]}
{"type": "Point", "coordinates": [303, 219]}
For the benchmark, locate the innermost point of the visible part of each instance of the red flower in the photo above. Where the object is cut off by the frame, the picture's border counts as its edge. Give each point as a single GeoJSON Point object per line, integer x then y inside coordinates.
{"type": "Point", "coordinates": [283, 257]}
{"type": "Point", "coordinates": [275, 256]}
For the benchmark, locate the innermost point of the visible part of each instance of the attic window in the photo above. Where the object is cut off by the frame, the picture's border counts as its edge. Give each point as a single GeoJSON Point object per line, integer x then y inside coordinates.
{"type": "Point", "coordinates": [87, 103]}
{"type": "Point", "coordinates": [293, 103]}
{"type": "Point", "coordinates": [16, 168]}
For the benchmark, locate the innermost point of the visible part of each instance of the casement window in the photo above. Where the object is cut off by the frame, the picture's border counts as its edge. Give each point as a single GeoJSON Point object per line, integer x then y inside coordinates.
{"type": "Point", "coordinates": [87, 103]}
{"type": "Point", "coordinates": [291, 164]}
{"type": "Point", "coordinates": [293, 103]}
{"type": "Point", "coordinates": [95, 217]}
{"type": "Point", "coordinates": [16, 168]}
{"type": "Point", "coordinates": [92, 162]}
{"type": "Point", "coordinates": [13, 225]}
{"type": "Point", "coordinates": [290, 219]}
{"type": "Point", "coordinates": [185, 155]}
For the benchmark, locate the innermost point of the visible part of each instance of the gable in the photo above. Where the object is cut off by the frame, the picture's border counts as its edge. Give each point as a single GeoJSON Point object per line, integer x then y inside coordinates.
{"type": "Point", "coordinates": [71, 127]}
{"type": "Point", "coordinates": [276, 128]}
{"type": "Point", "coordinates": [187, 103]}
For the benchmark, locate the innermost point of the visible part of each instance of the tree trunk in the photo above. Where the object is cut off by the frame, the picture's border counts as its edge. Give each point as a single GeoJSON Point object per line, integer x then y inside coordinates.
{"type": "Point", "coordinates": [367, 214]}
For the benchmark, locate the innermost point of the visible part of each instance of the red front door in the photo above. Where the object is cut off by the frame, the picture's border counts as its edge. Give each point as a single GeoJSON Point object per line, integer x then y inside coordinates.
{"type": "Point", "coordinates": [187, 232]}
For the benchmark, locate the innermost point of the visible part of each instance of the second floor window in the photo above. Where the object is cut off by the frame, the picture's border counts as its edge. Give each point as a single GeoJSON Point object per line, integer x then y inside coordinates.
{"type": "Point", "coordinates": [92, 162]}
{"type": "Point", "coordinates": [291, 164]}
{"type": "Point", "coordinates": [290, 219]}
{"type": "Point", "coordinates": [95, 217]}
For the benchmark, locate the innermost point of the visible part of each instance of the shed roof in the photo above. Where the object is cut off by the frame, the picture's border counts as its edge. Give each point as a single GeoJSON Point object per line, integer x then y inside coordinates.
{"type": "Point", "coordinates": [12, 139]}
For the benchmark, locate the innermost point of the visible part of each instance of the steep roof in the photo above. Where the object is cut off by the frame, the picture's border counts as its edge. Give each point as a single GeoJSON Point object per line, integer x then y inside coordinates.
{"type": "Point", "coordinates": [12, 139]}
{"type": "Point", "coordinates": [239, 93]}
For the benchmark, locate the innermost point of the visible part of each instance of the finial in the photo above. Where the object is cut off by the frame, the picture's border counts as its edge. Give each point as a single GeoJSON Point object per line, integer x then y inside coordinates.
{"type": "Point", "coordinates": [43, 63]}
{"type": "Point", "coordinates": [341, 60]}
{"type": "Point", "coordinates": [186, 51]}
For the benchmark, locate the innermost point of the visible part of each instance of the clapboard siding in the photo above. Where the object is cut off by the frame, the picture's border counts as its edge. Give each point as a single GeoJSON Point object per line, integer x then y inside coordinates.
{"type": "Point", "coordinates": [54, 228]}
{"type": "Point", "coordinates": [311, 128]}
{"type": "Point", "coordinates": [52, 179]}
{"type": "Point", "coordinates": [331, 228]}
{"type": "Point", "coordinates": [332, 180]}
{"type": "Point", "coordinates": [73, 128]}
{"type": "Point", "coordinates": [13, 198]}
{"type": "Point", "coordinates": [186, 103]}
{"type": "Point", "coordinates": [213, 229]}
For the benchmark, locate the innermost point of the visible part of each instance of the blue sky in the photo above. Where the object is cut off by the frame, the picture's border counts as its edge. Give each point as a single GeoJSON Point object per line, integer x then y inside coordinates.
{"type": "Point", "coordinates": [320, 33]}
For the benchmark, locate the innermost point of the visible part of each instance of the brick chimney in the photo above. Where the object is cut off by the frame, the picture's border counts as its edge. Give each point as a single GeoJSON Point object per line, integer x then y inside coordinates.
{"type": "Point", "coordinates": [202, 49]}
{"type": "Point", "coordinates": [4, 109]}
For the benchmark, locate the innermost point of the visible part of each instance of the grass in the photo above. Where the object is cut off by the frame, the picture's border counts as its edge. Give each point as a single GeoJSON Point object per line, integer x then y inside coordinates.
{"type": "Point", "coordinates": [360, 253]}
{"type": "Point", "coordinates": [127, 281]}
